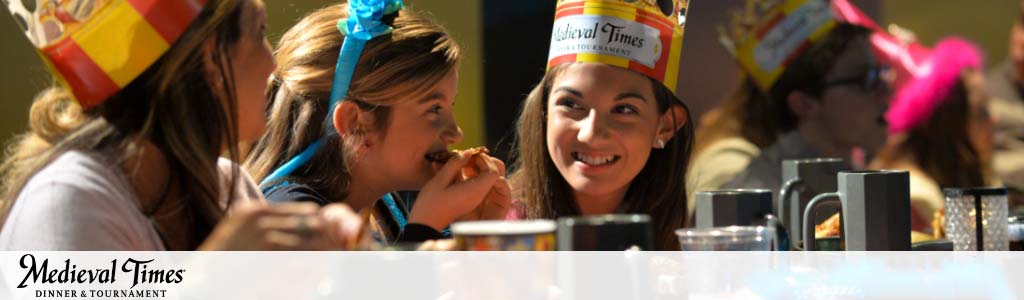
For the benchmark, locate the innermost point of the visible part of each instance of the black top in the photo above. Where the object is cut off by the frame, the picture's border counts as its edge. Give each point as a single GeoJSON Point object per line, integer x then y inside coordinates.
{"type": "Point", "coordinates": [285, 190]}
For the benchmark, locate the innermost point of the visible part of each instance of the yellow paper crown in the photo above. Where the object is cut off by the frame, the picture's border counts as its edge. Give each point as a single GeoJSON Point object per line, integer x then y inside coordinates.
{"type": "Point", "coordinates": [97, 47]}
{"type": "Point", "coordinates": [645, 36]}
{"type": "Point", "coordinates": [769, 34]}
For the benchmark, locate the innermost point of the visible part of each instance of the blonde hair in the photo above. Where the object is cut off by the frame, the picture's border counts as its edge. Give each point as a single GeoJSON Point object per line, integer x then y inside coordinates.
{"type": "Point", "coordinates": [409, 61]}
{"type": "Point", "coordinates": [172, 104]}
{"type": "Point", "coordinates": [744, 114]}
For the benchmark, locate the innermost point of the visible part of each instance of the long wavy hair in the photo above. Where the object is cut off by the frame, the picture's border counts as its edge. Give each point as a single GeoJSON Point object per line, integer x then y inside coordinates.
{"type": "Point", "coordinates": [659, 190]}
{"type": "Point", "coordinates": [743, 114]}
{"type": "Point", "coordinates": [174, 105]}
{"type": "Point", "coordinates": [941, 146]}
{"type": "Point", "coordinates": [414, 57]}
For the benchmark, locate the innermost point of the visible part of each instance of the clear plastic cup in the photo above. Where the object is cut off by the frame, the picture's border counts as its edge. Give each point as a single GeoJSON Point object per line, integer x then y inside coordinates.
{"type": "Point", "coordinates": [963, 213]}
{"type": "Point", "coordinates": [732, 238]}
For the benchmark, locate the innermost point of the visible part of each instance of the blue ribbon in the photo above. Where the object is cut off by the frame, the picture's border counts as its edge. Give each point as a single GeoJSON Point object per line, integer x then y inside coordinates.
{"type": "Point", "coordinates": [392, 205]}
{"type": "Point", "coordinates": [363, 24]}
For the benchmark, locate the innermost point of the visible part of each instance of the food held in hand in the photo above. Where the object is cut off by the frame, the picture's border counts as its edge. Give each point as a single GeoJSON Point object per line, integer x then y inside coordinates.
{"type": "Point", "coordinates": [445, 156]}
{"type": "Point", "coordinates": [470, 169]}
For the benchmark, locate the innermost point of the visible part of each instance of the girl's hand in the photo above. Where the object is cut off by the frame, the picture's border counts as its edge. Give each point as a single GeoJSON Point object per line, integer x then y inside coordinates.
{"type": "Point", "coordinates": [286, 226]}
{"type": "Point", "coordinates": [447, 196]}
{"type": "Point", "coordinates": [498, 200]}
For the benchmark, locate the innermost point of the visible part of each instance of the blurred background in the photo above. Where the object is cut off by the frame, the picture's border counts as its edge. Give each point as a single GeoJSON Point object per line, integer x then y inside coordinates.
{"type": "Point", "coordinates": [506, 42]}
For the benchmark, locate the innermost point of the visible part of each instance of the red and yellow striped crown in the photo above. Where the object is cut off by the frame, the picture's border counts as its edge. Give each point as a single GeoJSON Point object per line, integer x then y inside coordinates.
{"type": "Point", "coordinates": [97, 47]}
{"type": "Point", "coordinates": [769, 34]}
{"type": "Point", "coordinates": [645, 36]}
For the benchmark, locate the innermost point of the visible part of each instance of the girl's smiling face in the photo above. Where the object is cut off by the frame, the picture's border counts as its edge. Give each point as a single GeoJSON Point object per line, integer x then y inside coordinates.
{"type": "Point", "coordinates": [602, 123]}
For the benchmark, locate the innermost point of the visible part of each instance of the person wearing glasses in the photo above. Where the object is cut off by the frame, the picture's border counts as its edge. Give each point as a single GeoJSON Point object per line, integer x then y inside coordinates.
{"type": "Point", "coordinates": [820, 92]}
{"type": "Point", "coordinates": [827, 103]}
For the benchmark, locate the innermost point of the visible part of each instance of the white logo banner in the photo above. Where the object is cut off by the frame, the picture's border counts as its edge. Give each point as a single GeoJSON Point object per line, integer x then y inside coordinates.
{"type": "Point", "coordinates": [511, 275]}
{"type": "Point", "coordinates": [607, 36]}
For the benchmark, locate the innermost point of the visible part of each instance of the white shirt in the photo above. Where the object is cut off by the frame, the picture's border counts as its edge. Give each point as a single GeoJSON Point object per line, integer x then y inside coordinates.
{"type": "Point", "coordinates": [84, 201]}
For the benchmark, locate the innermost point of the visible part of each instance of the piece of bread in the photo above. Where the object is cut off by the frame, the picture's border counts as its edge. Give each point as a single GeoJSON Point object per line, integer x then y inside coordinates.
{"type": "Point", "coordinates": [470, 170]}
{"type": "Point", "coordinates": [444, 157]}
{"type": "Point", "coordinates": [829, 228]}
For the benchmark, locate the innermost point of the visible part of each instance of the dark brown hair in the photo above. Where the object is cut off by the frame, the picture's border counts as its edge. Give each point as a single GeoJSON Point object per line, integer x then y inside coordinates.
{"type": "Point", "coordinates": [807, 73]}
{"type": "Point", "coordinates": [940, 146]}
{"type": "Point", "coordinates": [760, 116]}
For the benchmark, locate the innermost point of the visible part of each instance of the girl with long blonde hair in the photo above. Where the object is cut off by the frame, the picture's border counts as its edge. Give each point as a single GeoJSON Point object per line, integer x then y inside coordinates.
{"type": "Point", "coordinates": [136, 166]}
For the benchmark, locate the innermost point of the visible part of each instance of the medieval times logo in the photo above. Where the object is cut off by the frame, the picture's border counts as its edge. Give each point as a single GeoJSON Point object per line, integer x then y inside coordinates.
{"type": "Point", "coordinates": [69, 274]}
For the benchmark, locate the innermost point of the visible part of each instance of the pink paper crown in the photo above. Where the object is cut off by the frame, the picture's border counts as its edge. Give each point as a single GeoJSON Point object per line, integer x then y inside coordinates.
{"type": "Point", "coordinates": [915, 102]}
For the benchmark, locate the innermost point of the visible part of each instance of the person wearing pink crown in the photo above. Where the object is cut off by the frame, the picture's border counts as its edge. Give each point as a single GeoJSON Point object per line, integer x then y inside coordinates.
{"type": "Point", "coordinates": [941, 130]}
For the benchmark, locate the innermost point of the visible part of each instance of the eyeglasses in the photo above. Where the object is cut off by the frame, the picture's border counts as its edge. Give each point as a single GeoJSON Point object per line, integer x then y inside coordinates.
{"type": "Point", "coordinates": [872, 80]}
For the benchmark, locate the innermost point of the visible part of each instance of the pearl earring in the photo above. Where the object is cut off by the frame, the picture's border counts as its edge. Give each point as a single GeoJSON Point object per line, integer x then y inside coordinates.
{"type": "Point", "coordinates": [660, 144]}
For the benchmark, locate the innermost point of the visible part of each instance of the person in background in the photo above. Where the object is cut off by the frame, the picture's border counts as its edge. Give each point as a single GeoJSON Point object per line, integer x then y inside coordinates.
{"type": "Point", "coordinates": [766, 110]}
{"type": "Point", "coordinates": [728, 138]}
{"type": "Point", "coordinates": [940, 129]}
{"type": "Point", "coordinates": [1006, 86]}
{"type": "Point", "coordinates": [825, 100]}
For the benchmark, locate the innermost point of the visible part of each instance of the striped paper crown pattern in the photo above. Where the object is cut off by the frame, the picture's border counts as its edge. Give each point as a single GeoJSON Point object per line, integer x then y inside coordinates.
{"type": "Point", "coordinates": [97, 47]}
{"type": "Point", "coordinates": [768, 35]}
{"type": "Point", "coordinates": [644, 36]}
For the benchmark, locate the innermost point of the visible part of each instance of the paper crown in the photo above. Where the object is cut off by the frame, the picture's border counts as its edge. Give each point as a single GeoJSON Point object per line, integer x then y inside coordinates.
{"type": "Point", "coordinates": [896, 47]}
{"type": "Point", "coordinates": [97, 47]}
{"type": "Point", "coordinates": [644, 36]}
{"type": "Point", "coordinates": [769, 34]}
{"type": "Point", "coordinates": [915, 101]}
